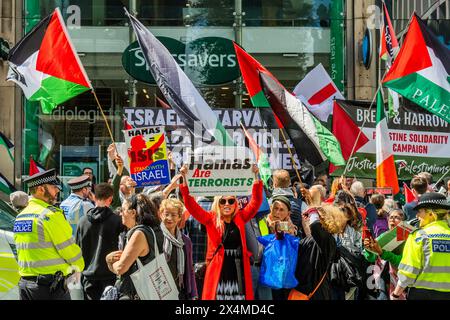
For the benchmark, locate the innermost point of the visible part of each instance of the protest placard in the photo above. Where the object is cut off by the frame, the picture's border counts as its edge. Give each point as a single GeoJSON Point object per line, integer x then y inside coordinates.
{"type": "Point", "coordinates": [147, 156]}
{"type": "Point", "coordinates": [218, 171]}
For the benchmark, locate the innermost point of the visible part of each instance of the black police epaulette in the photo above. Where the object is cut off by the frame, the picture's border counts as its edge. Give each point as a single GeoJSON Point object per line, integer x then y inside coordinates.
{"type": "Point", "coordinates": [52, 209]}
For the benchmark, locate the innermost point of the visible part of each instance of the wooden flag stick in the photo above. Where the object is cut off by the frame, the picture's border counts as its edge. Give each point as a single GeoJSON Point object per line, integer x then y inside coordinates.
{"type": "Point", "coordinates": [104, 118]}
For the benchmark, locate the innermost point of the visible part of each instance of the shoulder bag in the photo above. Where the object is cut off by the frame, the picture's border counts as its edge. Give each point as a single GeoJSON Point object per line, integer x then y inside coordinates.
{"type": "Point", "coordinates": [154, 281]}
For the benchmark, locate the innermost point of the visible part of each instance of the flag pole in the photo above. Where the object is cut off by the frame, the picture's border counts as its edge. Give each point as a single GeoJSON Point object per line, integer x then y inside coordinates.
{"type": "Point", "coordinates": [439, 180]}
{"type": "Point", "coordinates": [104, 118]}
{"type": "Point", "coordinates": [290, 153]}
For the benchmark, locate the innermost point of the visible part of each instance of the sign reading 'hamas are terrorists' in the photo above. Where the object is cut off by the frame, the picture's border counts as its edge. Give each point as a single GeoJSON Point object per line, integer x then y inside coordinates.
{"type": "Point", "coordinates": [147, 156]}
{"type": "Point", "coordinates": [218, 170]}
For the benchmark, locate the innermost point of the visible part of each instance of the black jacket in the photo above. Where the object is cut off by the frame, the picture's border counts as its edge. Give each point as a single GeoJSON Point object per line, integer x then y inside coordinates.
{"type": "Point", "coordinates": [97, 235]}
{"type": "Point", "coordinates": [315, 254]}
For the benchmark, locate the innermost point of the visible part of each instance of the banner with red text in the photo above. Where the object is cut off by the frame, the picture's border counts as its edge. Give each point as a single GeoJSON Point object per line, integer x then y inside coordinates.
{"type": "Point", "coordinates": [420, 141]}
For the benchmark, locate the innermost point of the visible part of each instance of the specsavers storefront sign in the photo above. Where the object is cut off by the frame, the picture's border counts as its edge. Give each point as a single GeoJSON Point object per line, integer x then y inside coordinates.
{"type": "Point", "coordinates": [208, 61]}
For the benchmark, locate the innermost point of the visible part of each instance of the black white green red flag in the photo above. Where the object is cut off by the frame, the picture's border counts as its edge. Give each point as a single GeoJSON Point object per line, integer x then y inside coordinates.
{"type": "Point", "coordinates": [45, 64]}
{"type": "Point", "coordinates": [421, 70]}
{"type": "Point", "coordinates": [5, 185]}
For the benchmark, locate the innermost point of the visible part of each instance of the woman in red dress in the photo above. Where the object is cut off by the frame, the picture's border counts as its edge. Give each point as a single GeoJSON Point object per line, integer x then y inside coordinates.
{"type": "Point", "coordinates": [228, 275]}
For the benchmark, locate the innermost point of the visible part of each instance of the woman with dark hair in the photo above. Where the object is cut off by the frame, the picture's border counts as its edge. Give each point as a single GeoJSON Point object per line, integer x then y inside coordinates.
{"type": "Point", "coordinates": [381, 224]}
{"type": "Point", "coordinates": [138, 215]}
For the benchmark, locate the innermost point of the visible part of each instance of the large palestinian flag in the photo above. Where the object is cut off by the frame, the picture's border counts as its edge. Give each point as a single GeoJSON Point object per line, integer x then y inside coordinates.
{"type": "Point", "coordinates": [310, 138]}
{"type": "Point", "coordinates": [421, 70]}
{"type": "Point", "coordinates": [46, 66]}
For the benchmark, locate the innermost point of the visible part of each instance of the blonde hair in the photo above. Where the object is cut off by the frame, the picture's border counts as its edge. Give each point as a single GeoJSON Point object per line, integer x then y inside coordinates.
{"type": "Point", "coordinates": [172, 203]}
{"type": "Point", "coordinates": [332, 218]}
{"type": "Point", "coordinates": [335, 187]}
{"type": "Point", "coordinates": [215, 209]}
{"type": "Point", "coordinates": [440, 214]}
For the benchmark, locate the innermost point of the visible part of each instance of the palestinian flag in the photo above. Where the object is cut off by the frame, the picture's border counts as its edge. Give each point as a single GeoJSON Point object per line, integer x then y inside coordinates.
{"type": "Point", "coordinates": [386, 171]}
{"type": "Point", "coordinates": [261, 158]}
{"type": "Point", "coordinates": [178, 90]}
{"type": "Point", "coordinates": [421, 70]}
{"type": "Point", "coordinates": [409, 195]}
{"type": "Point", "coordinates": [347, 132]}
{"type": "Point", "coordinates": [5, 185]}
{"type": "Point", "coordinates": [46, 66]}
{"type": "Point", "coordinates": [388, 41]}
{"type": "Point", "coordinates": [6, 146]}
{"type": "Point", "coordinates": [126, 125]}
{"type": "Point", "coordinates": [310, 138]}
{"type": "Point", "coordinates": [394, 240]}
{"type": "Point", "coordinates": [250, 69]}
{"type": "Point", "coordinates": [34, 167]}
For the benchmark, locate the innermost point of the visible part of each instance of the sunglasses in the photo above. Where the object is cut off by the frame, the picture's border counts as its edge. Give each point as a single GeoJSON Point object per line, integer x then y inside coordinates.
{"type": "Point", "coordinates": [224, 201]}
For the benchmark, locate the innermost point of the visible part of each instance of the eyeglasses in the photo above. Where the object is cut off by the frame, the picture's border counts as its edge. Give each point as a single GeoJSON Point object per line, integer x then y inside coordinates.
{"type": "Point", "coordinates": [224, 201]}
{"type": "Point", "coordinates": [395, 218]}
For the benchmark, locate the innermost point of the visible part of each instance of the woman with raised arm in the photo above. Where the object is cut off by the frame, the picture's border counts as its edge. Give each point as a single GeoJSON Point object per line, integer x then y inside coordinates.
{"type": "Point", "coordinates": [228, 275]}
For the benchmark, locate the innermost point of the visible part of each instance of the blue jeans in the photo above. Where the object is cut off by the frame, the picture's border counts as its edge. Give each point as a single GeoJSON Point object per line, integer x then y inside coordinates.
{"type": "Point", "coordinates": [260, 291]}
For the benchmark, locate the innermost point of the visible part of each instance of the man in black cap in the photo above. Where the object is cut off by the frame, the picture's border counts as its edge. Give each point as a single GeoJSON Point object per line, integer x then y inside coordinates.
{"type": "Point", "coordinates": [77, 205]}
{"type": "Point", "coordinates": [46, 251]}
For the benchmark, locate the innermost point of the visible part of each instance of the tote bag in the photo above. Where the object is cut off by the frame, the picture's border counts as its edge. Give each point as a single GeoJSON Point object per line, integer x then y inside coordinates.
{"type": "Point", "coordinates": [154, 280]}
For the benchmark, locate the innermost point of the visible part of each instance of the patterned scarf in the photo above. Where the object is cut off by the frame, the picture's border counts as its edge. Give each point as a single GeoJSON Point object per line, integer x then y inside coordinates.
{"type": "Point", "coordinates": [169, 242]}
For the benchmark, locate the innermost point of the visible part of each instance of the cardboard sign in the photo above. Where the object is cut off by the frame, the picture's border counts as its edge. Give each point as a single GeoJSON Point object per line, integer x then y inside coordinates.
{"type": "Point", "coordinates": [218, 171]}
{"type": "Point", "coordinates": [147, 156]}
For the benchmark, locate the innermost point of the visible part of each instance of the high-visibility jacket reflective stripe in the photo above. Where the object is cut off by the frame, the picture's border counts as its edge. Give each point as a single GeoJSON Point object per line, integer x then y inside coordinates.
{"type": "Point", "coordinates": [426, 258]}
{"type": "Point", "coordinates": [263, 227]}
{"type": "Point", "coordinates": [49, 246]}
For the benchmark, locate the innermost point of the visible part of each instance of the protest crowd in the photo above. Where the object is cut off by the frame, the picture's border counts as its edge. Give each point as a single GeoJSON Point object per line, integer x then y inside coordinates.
{"type": "Point", "coordinates": [310, 242]}
{"type": "Point", "coordinates": [223, 224]}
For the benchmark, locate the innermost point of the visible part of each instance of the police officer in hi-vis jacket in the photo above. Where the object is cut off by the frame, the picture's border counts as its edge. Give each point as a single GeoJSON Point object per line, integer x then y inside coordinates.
{"type": "Point", "coordinates": [46, 250]}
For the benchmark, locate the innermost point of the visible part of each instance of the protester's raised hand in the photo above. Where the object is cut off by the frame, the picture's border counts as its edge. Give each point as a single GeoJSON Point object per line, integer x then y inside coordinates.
{"type": "Point", "coordinates": [112, 151]}
{"type": "Point", "coordinates": [184, 170]}
{"type": "Point", "coordinates": [255, 169]}
{"type": "Point", "coordinates": [306, 195]}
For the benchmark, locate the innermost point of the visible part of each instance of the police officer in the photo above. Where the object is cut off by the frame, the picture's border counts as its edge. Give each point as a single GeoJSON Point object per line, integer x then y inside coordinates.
{"type": "Point", "coordinates": [77, 205]}
{"type": "Point", "coordinates": [46, 251]}
{"type": "Point", "coordinates": [425, 265]}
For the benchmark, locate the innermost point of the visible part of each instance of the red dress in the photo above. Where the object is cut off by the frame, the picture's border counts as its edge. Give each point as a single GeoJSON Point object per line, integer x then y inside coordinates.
{"type": "Point", "coordinates": [208, 219]}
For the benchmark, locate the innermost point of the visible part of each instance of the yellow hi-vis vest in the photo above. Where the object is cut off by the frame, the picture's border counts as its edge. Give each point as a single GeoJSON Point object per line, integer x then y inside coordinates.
{"type": "Point", "coordinates": [426, 258]}
{"type": "Point", "coordinates": [44, 241]}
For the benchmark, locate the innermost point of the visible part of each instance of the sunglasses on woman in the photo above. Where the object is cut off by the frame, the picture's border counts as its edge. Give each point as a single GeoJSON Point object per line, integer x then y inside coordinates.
{"type": "Point", "coordinates": [224, 201]}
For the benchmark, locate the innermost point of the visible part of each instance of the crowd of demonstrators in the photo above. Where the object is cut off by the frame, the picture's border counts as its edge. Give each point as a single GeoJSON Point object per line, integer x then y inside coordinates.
{"type": "Point", "coordinates": [97, 234]}
{"type": "Point", "coordinates": [386, 261]}
{"type": "Point", "coordinates": [335, 257]}
{"type": "Point", "coordinates": [228, 275]}
{"type": "Point", "coordinates": [78, 203]}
